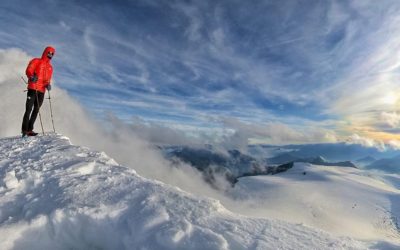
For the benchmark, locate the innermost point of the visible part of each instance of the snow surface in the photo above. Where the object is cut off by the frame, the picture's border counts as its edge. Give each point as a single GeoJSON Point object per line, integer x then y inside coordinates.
{"type": "Point", "coordinates": [54, 195]}
{"type": "Point", "coordinates": [344, 201]}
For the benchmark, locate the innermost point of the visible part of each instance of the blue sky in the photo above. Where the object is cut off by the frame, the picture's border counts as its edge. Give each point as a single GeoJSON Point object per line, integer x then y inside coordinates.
{"type": "Point", "coordinates": [271, 71]}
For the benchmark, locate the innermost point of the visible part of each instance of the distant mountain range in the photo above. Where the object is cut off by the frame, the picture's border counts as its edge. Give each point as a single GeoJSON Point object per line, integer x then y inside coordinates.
{"type": "Point", "coordinates": [212, 163]}
{"type": "Point", "coordinates": [390, 165]}
{"type": "Point", "coordinates": [234, 164]}
{"type": "Point", "coordinates": [366, 160]}
{"type": "Point", "coordinates": [342, 154]}
{"type": "Point", "coordinates": [331, 151]}
{"type": "Point", "coordinates": [318, 160]}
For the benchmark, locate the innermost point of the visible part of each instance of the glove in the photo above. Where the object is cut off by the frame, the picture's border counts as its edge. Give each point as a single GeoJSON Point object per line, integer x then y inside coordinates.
{"type": "Point", "coordinates": [48, 87]}
{"type": "Point", "coordinates": [33, 78]}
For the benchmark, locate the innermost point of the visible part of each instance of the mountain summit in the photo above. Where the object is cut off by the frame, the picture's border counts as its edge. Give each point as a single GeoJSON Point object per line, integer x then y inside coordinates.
{"type": "Point", "coordinates": [55, 195]}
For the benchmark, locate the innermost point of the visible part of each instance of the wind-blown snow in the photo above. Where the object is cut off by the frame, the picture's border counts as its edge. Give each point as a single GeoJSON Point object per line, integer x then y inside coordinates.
{"type": "Point", "coordinates": [54, 195]}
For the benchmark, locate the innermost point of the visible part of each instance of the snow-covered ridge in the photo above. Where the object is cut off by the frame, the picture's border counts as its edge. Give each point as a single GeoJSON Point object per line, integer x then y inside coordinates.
{"type": "Point", "coordinates": [54, 195]}
{"type": "Point", "coordinates": [344, 201]}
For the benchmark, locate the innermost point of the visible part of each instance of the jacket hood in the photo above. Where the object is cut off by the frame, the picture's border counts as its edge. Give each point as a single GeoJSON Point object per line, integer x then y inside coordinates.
{"type": "Point", "coordinates": [47, 50]}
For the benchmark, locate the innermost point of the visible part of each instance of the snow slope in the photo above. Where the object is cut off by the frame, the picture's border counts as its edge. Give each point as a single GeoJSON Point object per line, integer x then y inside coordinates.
{"type": "Point", "coordinates": [343, 201]}
{"type": "Point", "coordinates": [54, 195]}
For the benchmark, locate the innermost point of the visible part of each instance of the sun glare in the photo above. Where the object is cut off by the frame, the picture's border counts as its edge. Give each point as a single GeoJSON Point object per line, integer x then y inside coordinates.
{"type": "Point", "coordinates": [390, 98]}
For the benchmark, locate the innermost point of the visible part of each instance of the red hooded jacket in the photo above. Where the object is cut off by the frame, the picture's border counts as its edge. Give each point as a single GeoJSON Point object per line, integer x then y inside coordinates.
{"type": "Point", "coordinates": [43, 70]}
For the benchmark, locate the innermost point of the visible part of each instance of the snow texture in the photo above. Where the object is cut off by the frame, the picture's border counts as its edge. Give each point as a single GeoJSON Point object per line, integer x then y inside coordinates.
{"type": "Point", "coordinates": [341, 200]}
{"type": "Point", "coordinates": [54, 195]}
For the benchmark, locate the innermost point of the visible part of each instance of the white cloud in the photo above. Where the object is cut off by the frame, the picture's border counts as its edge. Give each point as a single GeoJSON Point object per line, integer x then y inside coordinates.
{"type": "Point", "coordinates": [366, 142]}
{"type": "Point", "coordinates": [195, 23]}
{"type": "Point", "coordinates": [90, 45]}
{"type": "Point", "coordinates": [275, 133]}
{"type": "Point", "coordinates": [158, 134]}
{"type": "Point", "coordinates": [12, 66]}
{"type": "Point", "coordinates": [394, 144]}
{"type": "Point", "coordinates": [65, 26]}
{"type": "Point", "coordinates": [369, 83]}
{"type": "Point", "coordinates": [391, 118]}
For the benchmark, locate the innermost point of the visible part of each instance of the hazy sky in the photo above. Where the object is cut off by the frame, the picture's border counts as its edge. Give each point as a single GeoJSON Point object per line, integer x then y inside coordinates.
{"type": "Point", "coordinates": [272, 71]}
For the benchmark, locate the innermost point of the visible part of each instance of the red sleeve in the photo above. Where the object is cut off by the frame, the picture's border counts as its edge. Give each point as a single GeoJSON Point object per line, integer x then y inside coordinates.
{"type": "Point", "coordinates": [50, 74]}
{"type": "Point", "coordinates": [30, 70]}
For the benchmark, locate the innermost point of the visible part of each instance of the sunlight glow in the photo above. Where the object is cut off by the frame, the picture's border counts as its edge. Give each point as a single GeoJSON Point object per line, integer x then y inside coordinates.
{"type": "Point", "coordinates": [390, 98]}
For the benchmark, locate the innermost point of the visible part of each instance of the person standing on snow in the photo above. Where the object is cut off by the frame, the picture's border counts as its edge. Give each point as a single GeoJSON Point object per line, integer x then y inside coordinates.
{"type": "Point", "coordinates": [39, 72]}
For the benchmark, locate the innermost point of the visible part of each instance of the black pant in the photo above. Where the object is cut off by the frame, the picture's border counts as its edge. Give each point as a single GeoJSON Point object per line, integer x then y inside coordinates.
{"type": "Point", "coordinates": [34, 100]}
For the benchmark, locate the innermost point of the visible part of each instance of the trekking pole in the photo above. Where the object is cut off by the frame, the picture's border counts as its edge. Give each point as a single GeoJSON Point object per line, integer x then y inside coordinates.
{"type": "Point", "coordinates": [23, 79]}
{"type": "Point", "coordinates": [40, 115]}
{"type": "Point", "coordinates": [51, 112]}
